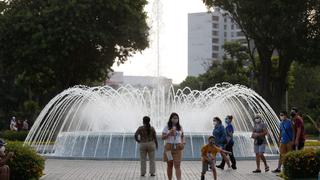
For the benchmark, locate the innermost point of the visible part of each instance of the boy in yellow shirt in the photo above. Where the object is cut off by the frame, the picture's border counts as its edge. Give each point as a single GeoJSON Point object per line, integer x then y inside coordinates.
{"type": "Point", "coordinates": [208, 157]}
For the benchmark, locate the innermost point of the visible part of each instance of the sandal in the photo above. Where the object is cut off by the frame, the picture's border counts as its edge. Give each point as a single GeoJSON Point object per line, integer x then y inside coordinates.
{"type": "Point", "coordinates": [267, 169]}
{"type": "Point", "coordinates": [257, 171]}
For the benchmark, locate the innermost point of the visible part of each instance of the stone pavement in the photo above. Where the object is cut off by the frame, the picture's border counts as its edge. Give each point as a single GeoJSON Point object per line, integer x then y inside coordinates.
{"type": "Point", "coordinates": [130, 170]}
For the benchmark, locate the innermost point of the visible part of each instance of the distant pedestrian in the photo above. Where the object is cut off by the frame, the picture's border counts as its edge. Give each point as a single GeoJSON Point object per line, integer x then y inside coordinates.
{"type": "Point", "coordinates": [229, 146]}
{"type": "Point", "coordinates": [147, 138]}
{"type": "Point", "coordinates": [298, 127]}
{"type": "Point", "coordinates": [285, 139]}
{"type": "Point", "coordinates": [19, 125]}
{"type": "Point", "coordinates": [13, 124]}
{"type": "Point", "coordinates": [259, 136]}
{"type": "Point", "coordinates": [174, 145]}
{"type": "Point", "coordinates": [25, 126]}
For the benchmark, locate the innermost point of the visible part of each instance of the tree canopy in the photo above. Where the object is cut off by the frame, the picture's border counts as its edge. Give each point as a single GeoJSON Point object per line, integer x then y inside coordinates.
{"type": "Point", "coordinates": [47, 46]}
{"type": "Point", "coordinates": [235, 69]}
{"type": "Point", "coordinates": [287, 27]}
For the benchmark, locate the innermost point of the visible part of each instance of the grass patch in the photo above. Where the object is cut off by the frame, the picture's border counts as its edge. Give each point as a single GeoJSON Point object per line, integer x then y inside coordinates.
{"type": "Point", "coordinates": [312, 143]}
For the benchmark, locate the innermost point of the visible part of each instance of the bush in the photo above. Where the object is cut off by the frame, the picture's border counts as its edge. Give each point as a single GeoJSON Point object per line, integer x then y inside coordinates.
{"type": "Point", "coordinates": [14, 135]}
{"type": "Point", "coordinates": [26, 164]}
{"type": "Point", "coordinates": [302, 164]}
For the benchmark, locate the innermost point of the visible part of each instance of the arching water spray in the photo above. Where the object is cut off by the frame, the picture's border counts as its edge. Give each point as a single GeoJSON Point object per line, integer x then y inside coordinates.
{"type": "Point", "coordinates": [99, 122]}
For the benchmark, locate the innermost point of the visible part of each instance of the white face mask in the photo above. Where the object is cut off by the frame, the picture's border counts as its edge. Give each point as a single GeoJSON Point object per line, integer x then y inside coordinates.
{"type": "Point", "coordinates": [174, 120]}
{"type": "Point", "coordinates": [2, 149]}
{"type": "Point", "coordinates": [214, 123]}
{"type": "Point", "coordinates": [257, 120]}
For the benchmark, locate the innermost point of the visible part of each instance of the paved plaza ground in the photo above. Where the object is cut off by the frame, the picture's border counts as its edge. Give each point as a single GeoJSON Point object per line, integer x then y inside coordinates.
{"type": "Point", "coordinates": [127, 170]}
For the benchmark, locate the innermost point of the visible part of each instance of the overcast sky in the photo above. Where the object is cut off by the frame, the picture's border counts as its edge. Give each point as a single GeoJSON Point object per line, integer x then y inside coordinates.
{"type": "Point", "coordinates": [173, 42]}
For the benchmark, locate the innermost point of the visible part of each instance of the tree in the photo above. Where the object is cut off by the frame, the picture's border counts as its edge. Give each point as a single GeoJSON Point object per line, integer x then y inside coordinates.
{"type": "Point", "coordinates": [289, 27]}
{"type": "Point", "coordinates": [235, 69]}
{"type": "Point", "coordinates": [47, 46]}
{"type": "Point", "coordinates": [304, 91]}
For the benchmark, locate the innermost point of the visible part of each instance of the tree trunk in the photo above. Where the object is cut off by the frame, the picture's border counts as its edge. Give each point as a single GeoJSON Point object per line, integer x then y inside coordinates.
{"type": "Point", "coordinates": [265, 72]}
{"type": "Point", "coordinates": [281, 84]}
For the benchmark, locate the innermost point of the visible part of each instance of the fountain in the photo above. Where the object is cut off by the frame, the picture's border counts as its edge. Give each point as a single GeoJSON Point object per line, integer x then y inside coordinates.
{"type": "Point", "coordinates": [99, 122]}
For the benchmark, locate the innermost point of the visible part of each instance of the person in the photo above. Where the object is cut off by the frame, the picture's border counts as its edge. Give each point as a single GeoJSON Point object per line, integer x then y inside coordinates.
{"type": "Point", "coordinates": [25, 126]}
{"type": "Point", "coordinates": [298, 127]}
{"type": "Point", "coordinates": [174, 145]}
{"type": "Point", "coordinates": [147, 138]}
{"type": "Point", "coordinates": [259, 136]}
{"type": "Point", "coordinates": [4, 169]}
{"type": "Point", "coordinates": [13, 124]}
{"type": "Point", "coordinates": [219, 132]}
{"type": "Point", "coordinates": [229, 146]}
{"type": "Point", "coordinates": [19, 125]}
{"type": "Point", "coordinates": [208, 157]}
{"type": "Point", "coordinates": [285, 139]}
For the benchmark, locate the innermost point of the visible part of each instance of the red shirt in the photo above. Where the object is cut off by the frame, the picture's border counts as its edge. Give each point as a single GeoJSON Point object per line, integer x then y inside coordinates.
{"type": "Point", "coordinates": [298, 123]}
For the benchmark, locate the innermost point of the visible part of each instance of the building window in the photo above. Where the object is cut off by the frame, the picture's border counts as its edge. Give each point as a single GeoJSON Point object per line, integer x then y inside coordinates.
{"type": "Point", "coordinates": [232, 20]}
{"type": "Point", "coordinates": [215, 40]}
{"type": "Point", "coordinates": [225, 34]}
{"type": "Point", "coordinates": [232, 26]}
{"type": "Point", "coordinates": [240, 33]}
{"type": "Point", "coordinates": [225, 19]}
{"type": "Point", "coordinates": [214, 55]}
{"type": "Point", "coordinates": [225, 27]}
{"type": "Point", "coordinates": [215, 48]}
{"type": "Point", "coordinates": [232, 34]}
{"type": "Point", "coordinates": [214, 25]}
{"type": "Point", "coordinates": [215, 18]}
{"type": "Point", "coordinates": [214, 33]}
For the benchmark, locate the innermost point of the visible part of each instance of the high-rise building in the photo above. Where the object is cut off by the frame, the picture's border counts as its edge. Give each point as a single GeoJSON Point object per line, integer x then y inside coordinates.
{"type": "Point", "coordinates": [207, 33]}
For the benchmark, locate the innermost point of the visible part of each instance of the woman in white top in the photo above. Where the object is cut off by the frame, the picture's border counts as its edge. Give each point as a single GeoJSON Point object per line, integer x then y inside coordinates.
{"type": "Point", "coordinates": [174, 144]}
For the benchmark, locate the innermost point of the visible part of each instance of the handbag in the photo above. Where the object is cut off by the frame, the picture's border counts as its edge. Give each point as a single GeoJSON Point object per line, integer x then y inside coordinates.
{"type": "Point", "coordinates": [259, 141]}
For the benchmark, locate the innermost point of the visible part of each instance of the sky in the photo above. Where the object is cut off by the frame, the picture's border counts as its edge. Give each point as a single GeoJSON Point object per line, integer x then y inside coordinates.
{"type": "Point", "coordinates": [173, 42]}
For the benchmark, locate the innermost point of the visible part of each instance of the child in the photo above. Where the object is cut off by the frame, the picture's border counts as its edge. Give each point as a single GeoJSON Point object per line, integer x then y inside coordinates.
{"type": "Point", "coordinates": [208, 157]}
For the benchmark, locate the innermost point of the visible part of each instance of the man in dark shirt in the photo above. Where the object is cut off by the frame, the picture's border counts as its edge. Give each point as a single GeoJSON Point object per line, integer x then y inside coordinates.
{"type": "Point", "coordinates": [298, 127]}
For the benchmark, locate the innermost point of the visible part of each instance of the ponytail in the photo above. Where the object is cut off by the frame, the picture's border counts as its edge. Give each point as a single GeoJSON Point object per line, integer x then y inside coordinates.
{"type": "Point", "coordinates": [146, 122]}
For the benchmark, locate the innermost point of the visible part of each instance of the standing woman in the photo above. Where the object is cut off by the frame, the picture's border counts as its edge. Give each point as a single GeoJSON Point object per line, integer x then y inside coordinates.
{"type": "Point", "coordinates": [146, 137]}
{"type": "Point", "coordinates": [174, 144]}
{"type": "Point", "coordinates": [219, 132]}
{"type": "Point", "coordinates": [259, 135]}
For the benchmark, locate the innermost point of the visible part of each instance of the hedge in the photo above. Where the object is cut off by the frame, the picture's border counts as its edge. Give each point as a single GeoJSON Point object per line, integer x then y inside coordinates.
{"type": "Point", "coordinates": [302, 164]}
{"type": "Point", "coordinates": [26, 164]}
{"type": "Point", "coordinates": [14, 135]}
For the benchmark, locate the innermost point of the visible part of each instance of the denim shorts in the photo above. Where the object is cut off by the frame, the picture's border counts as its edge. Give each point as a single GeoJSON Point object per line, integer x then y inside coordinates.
{"type": "Point", "coordinates": [259, 148]}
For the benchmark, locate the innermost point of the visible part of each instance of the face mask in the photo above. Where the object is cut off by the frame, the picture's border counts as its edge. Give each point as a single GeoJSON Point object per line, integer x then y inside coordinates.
{"type": "Point", "coordinates": [211, 141]}
{"type": "Point", "coordinates": [2, 149]}
{"type": "Point", "coordinates": [175, 120]}
{"type": "Point", "coordinates": [214, 123]}
{"type": "Point", "coordinates": [257, 120]}
{"type": "Point", "coordinates": [227, 121]}
{"type": "Point", "coordinates": [282, 118]}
